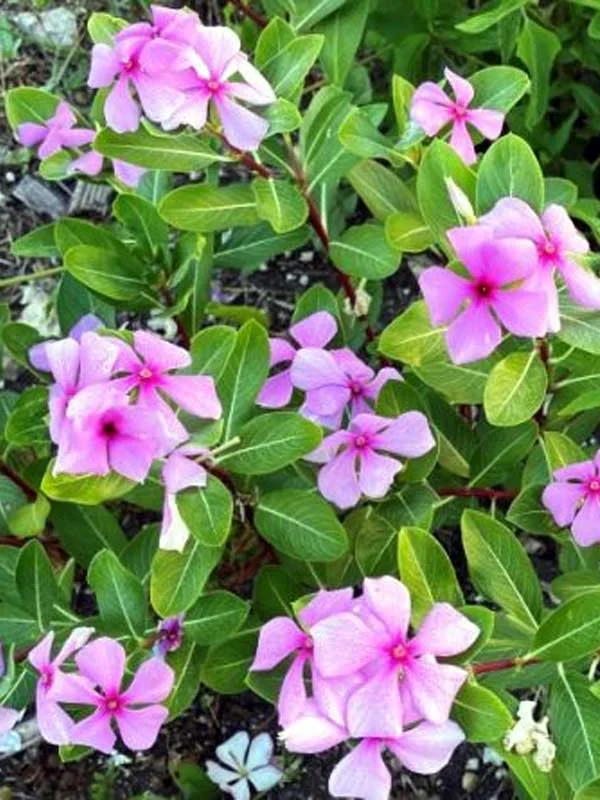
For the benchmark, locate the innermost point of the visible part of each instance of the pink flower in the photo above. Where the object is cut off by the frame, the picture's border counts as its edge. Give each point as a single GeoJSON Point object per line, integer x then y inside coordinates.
{"type": "Point", "coordinates": [135, 710]}
{"type": "Point", "coordinates": [54, 724]}
{"type": "Point", "coordinates": [215, 59]}
{"type": "Point", "coordinates": [179, 472]}
{"type": "Point", "coordinates": [168, 25]}
{"type": "Point", "coordinates": [401, 679]}
{"type": "Point", "coordinates": [92, 163]}
{"type": "Point", "coordinates": [353, 465]}
{"type": "Point", "coordinates": [557, 242]}
{"type": "Point", "coordinates": [497, 269]}
{"type": "Point", "coordinates": [170, 635]}
{"type": "Point", "coordinates": [107, 433]}
{"type": "Point", "coordinates": [425, 749]}
{"type": "Point", "coordinates": [574, 500]}
{"type": "Point", "coordinates": [55, 134]}
{"type": "Point", "coordinates": [334, 380]}
{"type": "Point", "coordinates": [432, 109]}
{"type": "Point", "coordinates": [315, 331]}
{"type": "Point", "coordinates": [281, 637]}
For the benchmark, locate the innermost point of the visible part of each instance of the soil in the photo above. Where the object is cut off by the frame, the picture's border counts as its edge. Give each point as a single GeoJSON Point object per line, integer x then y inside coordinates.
{"type": "Point", "coordinates": [37, 773]}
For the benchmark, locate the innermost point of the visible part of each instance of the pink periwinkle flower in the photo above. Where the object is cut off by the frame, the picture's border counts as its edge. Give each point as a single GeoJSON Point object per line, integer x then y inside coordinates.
{"type": "Point", "coordinates": [92, 163]}
{"type": "Point", "coordinates": [354, 464]}
{"type": "Point", "coordinates": [432, 109]}
{"type": "Point", "coordinates": [281, 638]}
{"type": "Point", "coordinates": [498, 269]}
{"type": "Point", "coordinates": [8, 719]}
{"type": "Point", "coordinates": [315, 331]}
{"type": "Point", "coordinates": [574, 500]}
{"type": "Point", "coordinates": [136, 710]}
{"type": "Point", "coordinates": [55, 134]}
{"type": "Point", "coordinates": [170, 635]}
{"type": "Point", "coordinates": [558, 243]}
{"type": "Point", "coordinates": [402, 680]}
{"type": "Point", "coordinates": [38, 353]}
{"type": "Point", "coordinates": [334, 380]}
{"type": "Point", "coordinates": [179, 472]}
{"type": "Point", "coordinates": [215, 60]}
{"type": "Point", "coordinates": [106, 432]}
{"type": "Point", "coordinates": [55, 724]}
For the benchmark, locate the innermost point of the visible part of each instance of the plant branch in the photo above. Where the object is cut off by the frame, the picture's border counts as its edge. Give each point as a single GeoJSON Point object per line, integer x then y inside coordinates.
{"type": "Point", "coordinates": [255, 16]}
{"type": "Point", "coordinates": [27, 490]}
{"type": "Point", "coordinates": [483, 494]}
{"type": "Point", "coordinates": [32, 276]}
{"type": "Point", "coordinates": [505, 663]}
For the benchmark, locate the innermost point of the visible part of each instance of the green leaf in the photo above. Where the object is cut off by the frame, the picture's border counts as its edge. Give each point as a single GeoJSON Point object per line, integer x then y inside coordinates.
{"type": "Point", "coordinates": [406, 231]}
{"type": "Point", "coordinates": [374, 541]}
{"type": "Point", "coordinates": [497, 11]}
{"type": "Point", "coordinates": [173, 153]}
{"type": "Point", "coordinates": [575, 727]}
{"type": "Point", "coordinates": [74, 301]}
{"type": "Point", "coordinates": [227, 664]}
{"type": "Point", "coordinates": [481, 714]}
{"type": "Point", "coordinates": [526, 773]}
{"type": "Point", "coordinates": [187, 663]}
{"type": "Point", "coordinates": [39, 243]}
{"type": "Point", "coordinates": [499, 88]}
{"type": "Point", "coordinates": [29, 519]}
{"type": "Point", "coordinates": [515, 389]}
{"type": "Point", "coordinates": [282, 116]}
{"type": "Point", "coordinates": [29, 105]}
{"type": "Point", "coordinates": [574, 584]}
{"type": "Point", "coordinates": [439, 163]}
{"type": "Point", "coordinates": [500, 450]}
{"type": "Point", "coordinates": [580, 327]}
{"type": "Point", "coordinates": [280, 203]}
{"type": "Point", "coordinates": [381, 190]}
{"type": "Point", "coordinates": [88, 490]}
{"type": "Point", "coordinates": [36, 583]}
{"type": "Point", "coordinates": [270, 442]}
{"type": "Point", "coordinates": [120, 595]}
{"type": "Point", "coordinates": [214, 617]}
{"type": "Point", "coordinates": [285, 58]}
{"type": "Point", "coordinates": [18, 626]}
{"type": "Point", "coordinates": [570, 631]}
{"type": "Point", "coordinates": [363, 252]}
{"type": "Point", "coordinates": [85, 531]}
{"type": "Point", "coordinates": [26, 424]}
{"type": "Point", "coordinates": [11, 498]}
{"type": "Point", "coordinates": [537, 47]}
{"type": "Point", "coordinates": [560, 191]}
{"type": "Point", "coordinates": [143, 220]}
{"type": "Point", "coordinates": [301, 525]}
{"type": "Point", "coordinates": [207, 512]}
{"type": "Point", "coordinates": [210, 349]}
{"type": "Point", "coordinates": [178, 578]}
{"type": "Point", "coordinates": [427, 571]}
{"type": "Point", "coordinates": [243, 376]}
{"type": "Point", "coordinates": [103, 28]}
{"type": "Point", "coordinates": [459, 383]}
{"type": "Point", "coordinates": [509, 169]}
{"type": "Point", "coordinates": [72, 232]}
{"type": "Point", "coordinates": [197, 258]}
{"type": "Point", "coordinates": [500, 568]}
{"type": "Point", "coordinates": [309, 12]}
{"type": "Point", "coordinates": [410, 338]}
{"type": "Point", "coordinates": [113, 275]}
{"type": "Point", "coordinates": [322, 154]}
{"type": "Point", "coordinates": [18, 339]}
{"type": "Point", "coordinates": [342, 31]}
{"type": "Point", "coordinates": [274, 591]}
{"type": "Point", "coordinates": [527, 512]}
{"type": "Point", "coordinates": [249, 247]}
{"type": "Point", "coordinates": [204, 208]}
{"type": "Point", "coordinates": [360, 135]}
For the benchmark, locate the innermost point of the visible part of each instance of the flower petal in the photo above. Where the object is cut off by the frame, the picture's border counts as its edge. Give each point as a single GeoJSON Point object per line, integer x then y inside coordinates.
{"type": "Point", "coordinates": [343, 644]}
{"type": "Point", "coordinates": [104, 67]}
{"type": "Point", "coordinates": [242, 128]}
{"type": "Point", "coordinates": [152, 683]}
{"type": "Point", "coordinates": [562, 501]}
{"type": "Point", "coordinates": [487, 121]}
{"type": "Point", "coordinates": [338, 481]}
{"type": "Point", "coordinates": [522, 312]}
{"type": "Point", "coordinates": [444, 632]}
{"type": "Point", "coordinates": [433, 687]}
{"type": "Point", "coordinates": [324, 604]}
{"type": "Point", "coordinates": [427, 748]}
{"type": "Point", "coordinates": [317, 330]}
{"type": "Point", "coordinates": [377, 473]}
{"type": "Point", "coordinates": [562, 230]}
{"type": "Point", "coordinates": [461, 141]}
{"type": "Point", "coordinates": [473, 335]}
{"type": "Point", "coordinates": [582, 283]}
{"type": "Point", "coordinates": [513, 218]}
{"type": "Point", "coordinates": [389, 600]}
{"type": "Point", "coordinates": [375, 708]}
{"type": "Point", "coordinates": [260, 752]}
{"type": "Point", "coordinates": [95, 731]}
{"type": "Point", "coordinates": [586, 526]}
{"type": "Point", "coordinates": [265, 778]}
{"type": "Point", "coordinates": [463, 90]}
{"type": "Point", "coordinates": [103, 663]}
{"type": "Point", "coordinates": [233, 751]}
{"type": "Point", "coordinates": [139, 728]}
{"type": "Point", "coordinates": [278, 638]}
{"type": "Point", "coordinates": [409, 435]}
{"type": "Point", "coordinates": [362, 774]}
{"type": "Point", "coordinates": [277, 390]}
{"type": "Point", "coordinates": [120, 109]}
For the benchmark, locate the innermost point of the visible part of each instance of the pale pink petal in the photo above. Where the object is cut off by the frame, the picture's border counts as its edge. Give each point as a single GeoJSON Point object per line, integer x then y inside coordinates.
{"type": "Point", "coordinates": [473, 335]}
{"type": "Point", "coordinates": [174, 532]}
{"type": "Point", "coordinates": [75, 640]}
{"type": "Point", "coordinates": [562, 501]}
{"type": "Point", "coordinates": [326, 401]}
{"type": "Point", "coordinates": [217, 45]}
{"type": "Point", "coordinates": [103, 663]}
{"type": "Point", "coordinates": [90, 163]}
{"type": "Point", "coordinates": [128, 174]}
{"type": "Point", "coordinates": [508, 260]}
{"type": "Point", "coordinates": [463, 90]}
{"type": "Point", "coordinates": [444, 632]}
{"type": "Point", "coordinates": [196, 394]}
{"type": "Point", "coordinates": [77, 137]}
{"type": "Point", "coordinates": [279, 638]}
{"type": "Point", "coordinates": [158, 100]}
{"type": "Point", "coordinates": [521, 312]}
{"type": "Point", "coordinates": [562, 230]}
{"type": "Point", "coordinates": [291, 702]}
{"type": "Point", "coordinates": [329, 447]}
{"type": "Point", "coordinates": [352, 365]}
{"type": "Point", "coordinates": [139, 728]}
{"type": "Point", "coordinates": [376, 473]}
{"type": "Point", "coordinates": [312, 733]}
{"type": "Point", "coordinates": [180, 473]}
{"type": "Point", "coordinates": [30, 134]}
{"type": "Point", "coordinates": [433, 687]}
{"type": "Point", "coordinates": [281, 351]}
{"type": "Point", "coordinates": [427, 748]}
{"type": "Point", "coordinates": [8, 719]}
{"type": "Point", "coordinates": [131, 457]}
{"type": "Point", "coordinates": [324, 604]}
{"type": "Point", "coordinates": [97, 358]}
{"type": "Point", "coordinates": [388, 599]}
{"type": "Point", "coordinates": [461, 141]}
{"type": "Point", "coordinates": [431, 108]}
{"type": "Point", "coordinates": [468, 242]}
{"type": "Point", "coordinates": [362, 774]}
{"type": "Point", "coordinates": [105, 66]}
{"type": "Point", "coordinates": [152, 683]}
{"type": "Point", "coordinates": [41, 654]}
{"type": "Point", "coordinates": [514, 218]}
{"type": "Point", "coordinates": [338, 481]}
{"type": "Point", "coordinates": [343, 644]}
{"type": "Point", "coordinates": [52, 144]}
{"type": "Point", "coordinates": [314, 368]}
{"type": "Point", "coordinates": [581, 471]}
{"type": "Point", "coordinates": [121, 111]}
{"type": "Point", "coordinates": [487, 121]}
{"type": "Point", "coordinates": [55, 724]}
{"type": "Point", "coordinates": [277, 390]}
{"type": "Point", "coordinates": [160, 354]}
{"type": "Point", "coordinates": [586, 526]}
{"type": "Point", "coordinates": [193, 112]}
{"type": "Point", "coordinates": [408, 435]}
{"type": "Point", "coordinates": [243, 129]}
{"type": "Point", "coordinates": [69, 687]}
{"type": "Point", "coordinates": [317, 330]}
{"type": "Point", "coordinates": [582, 283]}
{"type": "Point", "coordinates": [257, 89]}
{"type": "Point", "coordinates": [375, 709]}
{"type": "Point", "coordinates": [95, 731]}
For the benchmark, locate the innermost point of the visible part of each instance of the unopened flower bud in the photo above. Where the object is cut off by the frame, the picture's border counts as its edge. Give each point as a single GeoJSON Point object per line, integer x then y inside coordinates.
{"type": "Point", "coordinates": [460, 201]}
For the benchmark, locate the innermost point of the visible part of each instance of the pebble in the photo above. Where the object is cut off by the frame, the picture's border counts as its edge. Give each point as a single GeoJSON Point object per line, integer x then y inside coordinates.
{"type": "Point", "coordinates": [306, 257]}
{"type": "Point", "coordinates": [469, 781]}
{"type": "Point", "coordinates": [303, 280]}
{"type": "Point", "coordinates": [56, 28]}
{"type": "Point", "coordinates": [39, 197]}
{"type": "Point", "coordinates": [472, 764]}
{"type": "Point", "coordinates": [491, 757]}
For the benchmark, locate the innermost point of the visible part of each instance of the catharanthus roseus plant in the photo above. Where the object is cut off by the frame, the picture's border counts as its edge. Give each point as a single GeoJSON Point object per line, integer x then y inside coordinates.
{"type": "Point", "coordinates": [374, 504]}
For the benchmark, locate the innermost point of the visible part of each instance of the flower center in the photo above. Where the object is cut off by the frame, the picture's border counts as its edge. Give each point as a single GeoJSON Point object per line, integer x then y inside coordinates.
{"type": "Point", "coordinates": [47, 676]}
{"type": "Point", "coordinates": [356, 388]}
{"type": "Point", "coordinates": [484, 290]}
{"type": "Point", "coordinates": [109, 429]}
{"type": "Point", "coordinates": [594, 485]}
{"type": "Point", "coordinates": [460, 112]}
{"type": "Point", "coordinates": [550, 248]}
{"type": "Point", "coordinates": [213, 86]}
{"type": "Point", "coordinates": [130, 65]}
{"type": "Point", "coordinates": [113, 703]}
{"type": "Point", "coordinates": [399, 652]}
{"type": "Point", "coordinates": [361, 441]}
{"type": "Point", "coordinates": [145, 373]}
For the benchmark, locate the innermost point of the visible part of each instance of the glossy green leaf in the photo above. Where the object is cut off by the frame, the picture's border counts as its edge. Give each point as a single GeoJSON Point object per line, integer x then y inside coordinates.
{"type": "Point", "coordinates": [214, 617]}
{"type": "Point", "coordinates": [119, 594]}
{"type": "Point", "coordinates": [363, 252]}
{"type": "Point", "coordinates": [280, 203]}
{"type": "Point", "coordinates": [174, 153]}
{"type": "Point", "coordinates": [570, 631]}
{"type": "Point", "coordinates": [515, 389]}
{"type": "Point", "coordinates": [509, 169]}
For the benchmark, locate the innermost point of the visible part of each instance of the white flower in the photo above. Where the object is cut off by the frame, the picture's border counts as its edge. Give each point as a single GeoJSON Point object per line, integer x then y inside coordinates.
{"type": "Point", "coordinates": [530, 736]}
{"type": "Point", "coordinates": [460, 201]}
{"type": "Point", "coordinates": [246, 763]}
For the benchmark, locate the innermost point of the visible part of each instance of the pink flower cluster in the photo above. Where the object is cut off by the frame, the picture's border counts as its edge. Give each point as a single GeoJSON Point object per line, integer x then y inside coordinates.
{"type": "Point", "coordinates": [340, 389]}
{"type": "Point", "coordinates": [97, 682]}
{"type": "Point", "coordinates": [432, 110]}
{"type": "Point", "coordinates": [59, 133]}
{"type": "Point", "coordinates": [370, 681]}
{"type": "Point", "coordinates": [511, 257]}
{"type": "Point", "coordinates": [573, 499]}
{"type": "Point", "coordinates": [177, 67]}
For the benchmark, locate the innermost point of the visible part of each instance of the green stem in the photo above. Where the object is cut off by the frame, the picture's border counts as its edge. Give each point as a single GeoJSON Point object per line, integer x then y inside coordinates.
{"type": "Point", "coordinates": [32, 276]}
{"type": "Point", "coordinates": [225, 446]}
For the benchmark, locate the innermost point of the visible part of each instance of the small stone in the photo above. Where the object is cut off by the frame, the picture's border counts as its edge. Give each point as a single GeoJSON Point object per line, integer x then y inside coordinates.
{"type": "Point", "coordinates": [306, 257]}
{"type": "Point", "coordinates": [472, 764]}
{"type": "Point", "coordinates": [56, 28]}
{"type": "Point", "coordinates": [39, 197]}
{"type": "Point", "coordinates": [491, 757]}
{"type": "Point", "coordinates": [10, 176]}
{"type": "Point", "coordinates": [469, 782]}
{"type": "Point", "coordinates": [303, 280]}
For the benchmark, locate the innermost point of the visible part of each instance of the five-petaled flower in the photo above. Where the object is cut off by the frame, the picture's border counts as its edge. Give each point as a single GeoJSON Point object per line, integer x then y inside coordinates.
{"type": "Point", "coordinates": [246, 762]}
{"type": "Point", "coordinates": [574, 500]}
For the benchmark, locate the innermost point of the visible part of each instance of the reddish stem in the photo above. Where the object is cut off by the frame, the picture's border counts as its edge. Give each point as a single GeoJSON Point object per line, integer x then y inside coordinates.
{"type": "Point", "coordinates": [261, 21]}
{"type": "Point", "coordinates": [505, 663]}
{"type": "Point", "coordinates": [484, 494]}
{"type": "Point", "coordinates": [27, 490]}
